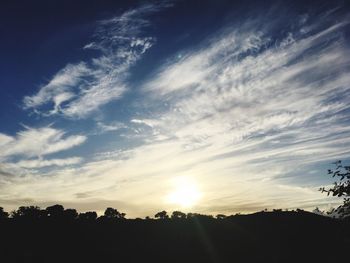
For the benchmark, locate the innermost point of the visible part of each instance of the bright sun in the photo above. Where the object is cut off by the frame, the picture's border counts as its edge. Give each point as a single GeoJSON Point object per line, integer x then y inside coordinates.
{"type": "Point", "coordinates": [185, 192]}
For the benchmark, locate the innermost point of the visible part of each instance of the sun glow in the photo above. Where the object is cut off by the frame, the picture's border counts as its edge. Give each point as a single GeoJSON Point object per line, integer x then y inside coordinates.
{"type": "Point", "coordinates": [185, 193]}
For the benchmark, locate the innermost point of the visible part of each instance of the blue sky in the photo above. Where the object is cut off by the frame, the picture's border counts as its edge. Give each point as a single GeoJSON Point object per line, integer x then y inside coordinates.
{"type": "Point", "coordinates": [204, 106]}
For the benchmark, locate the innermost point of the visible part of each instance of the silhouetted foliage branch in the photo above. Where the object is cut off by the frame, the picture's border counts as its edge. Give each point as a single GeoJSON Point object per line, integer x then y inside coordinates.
{"type": "Point", "coordinates": [341, 187]}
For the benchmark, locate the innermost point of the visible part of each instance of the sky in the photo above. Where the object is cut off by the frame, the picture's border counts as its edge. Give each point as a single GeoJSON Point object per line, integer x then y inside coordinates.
{"type": "Point", "coordinates": [215, 107]}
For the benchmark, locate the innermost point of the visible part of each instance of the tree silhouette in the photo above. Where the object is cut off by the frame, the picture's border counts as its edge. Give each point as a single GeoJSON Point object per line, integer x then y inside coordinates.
{"type": "Point", "coordinates": [199, 216]}
{"type": "Point", "coordinates": [3, 214]}
{"type": "Point", "coordinates": [88, 216]}
{"type": "Point", "coordinates": [178, 215]}
{"type": "Point", "coordinates": [341, 187]}
{"type": "Point", "coordinates": [220, 216]}
{"type": "Point", "coordinates": [70, 214]}
{"type": "Point", "coordinates": [162, 215]}
{"type": "Point", "coordinates": [28, 212]}
{"type": "Point", "coordinates": [112, 213]}
{"type": "Point", "coordinates": [55, 211]}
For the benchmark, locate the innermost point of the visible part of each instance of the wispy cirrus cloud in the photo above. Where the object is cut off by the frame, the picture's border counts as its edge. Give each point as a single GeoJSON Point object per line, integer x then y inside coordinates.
{"type": "Point", "coordinates": [40, 163]}
{"type": "Point", "coordinates": [79, 89]}
{"type": "Point", "coordinates": [242, 88]}
{"type": "Point", "coordinates": [28, 152]}
{"type": "Point", "coordinates": [59, 89]}
{"type": "Point", "coordinates": [107, 127]}
{"type": "Point", "coordinates": [33, 142]}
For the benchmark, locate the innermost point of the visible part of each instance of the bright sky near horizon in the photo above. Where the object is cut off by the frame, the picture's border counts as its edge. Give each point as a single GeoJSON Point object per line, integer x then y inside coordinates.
{"type": "Point", "coordinates": [202, 106]}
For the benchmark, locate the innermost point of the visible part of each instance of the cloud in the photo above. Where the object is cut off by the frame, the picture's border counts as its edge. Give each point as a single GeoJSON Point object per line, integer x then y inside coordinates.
{"type": "Point", "coordinates": [57, 90]}
{"type": "Point", "coordinates": [108, 127]}
{"type": "Point", "coordinates": [245, 104]}
{"type": "Point", "coordinates": [242, 89]}
{"type": "Point", "coordinates": [39, 163]}
{"type": "Point", "coordinates": [5, 139]}
{"type": "Point", "coordinates": [146, 122]}
{"type": "Point", "coordinates": [80, 89]}
{"type": "Point", "coordinates": [37, 142]}
{"type": "Point", "coordinates": [244, 116]}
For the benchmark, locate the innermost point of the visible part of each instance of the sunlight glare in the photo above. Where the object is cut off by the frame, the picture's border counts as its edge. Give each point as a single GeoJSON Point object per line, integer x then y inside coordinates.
{"type": "Point", "coordinates": [185, 193]}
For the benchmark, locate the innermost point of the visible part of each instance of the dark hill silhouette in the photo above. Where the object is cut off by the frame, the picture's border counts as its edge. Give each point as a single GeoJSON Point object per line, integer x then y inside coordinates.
{"type": "Point", "coordinates": [58, 235]}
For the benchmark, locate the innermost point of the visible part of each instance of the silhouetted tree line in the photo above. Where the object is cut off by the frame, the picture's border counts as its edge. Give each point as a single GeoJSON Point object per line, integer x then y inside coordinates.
{"type": "Point", "coordinates": [59, 213]}
{"type": "Point", "coordinates": [55, 234]}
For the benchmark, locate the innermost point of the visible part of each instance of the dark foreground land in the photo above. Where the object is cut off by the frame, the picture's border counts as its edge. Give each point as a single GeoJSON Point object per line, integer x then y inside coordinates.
{"type": "Point", "coordinates": [261, 237]}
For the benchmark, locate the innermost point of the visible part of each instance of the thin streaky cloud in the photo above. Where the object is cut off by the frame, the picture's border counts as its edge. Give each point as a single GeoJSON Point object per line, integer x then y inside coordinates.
{"type": "Point", "coordinates": [37, 142]}
{"type": "Point", "coordinates": [80, 89]}
{"type": "Point", "coordinates": [40, 163]}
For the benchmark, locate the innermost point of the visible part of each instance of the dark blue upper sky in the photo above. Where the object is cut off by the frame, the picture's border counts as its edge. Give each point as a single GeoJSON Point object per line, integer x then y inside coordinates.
{"type": "Point", "coordinates": [211, 91]}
